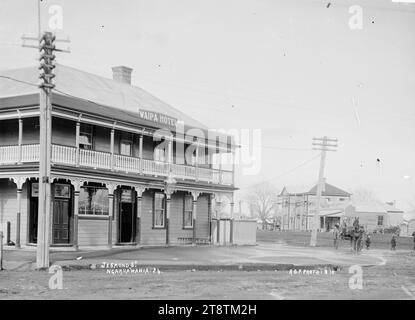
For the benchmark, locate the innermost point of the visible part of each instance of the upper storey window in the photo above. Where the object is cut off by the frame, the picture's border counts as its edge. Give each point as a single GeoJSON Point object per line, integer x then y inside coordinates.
{"type": "Point", "coordinates": [160, 153]}
{"type": "Point", "coordinates": [126, 145]}
{"type": "Point", "coordinates": [86, 136]}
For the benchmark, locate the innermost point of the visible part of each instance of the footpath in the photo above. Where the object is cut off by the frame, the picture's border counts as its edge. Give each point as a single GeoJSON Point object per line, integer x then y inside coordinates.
{"type": "Point", "coordinates": [263, 256]}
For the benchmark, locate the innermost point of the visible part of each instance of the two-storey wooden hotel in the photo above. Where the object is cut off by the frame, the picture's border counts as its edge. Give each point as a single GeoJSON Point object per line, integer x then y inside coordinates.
{"type": "Point", "coordinates": [108, 172]}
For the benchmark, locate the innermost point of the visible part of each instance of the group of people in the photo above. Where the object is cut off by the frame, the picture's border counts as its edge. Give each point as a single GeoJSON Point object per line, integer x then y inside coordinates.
{"type": "Point", "coordinates": [356, 237]}
{"type": "Point", "coordinates": [393, 241]}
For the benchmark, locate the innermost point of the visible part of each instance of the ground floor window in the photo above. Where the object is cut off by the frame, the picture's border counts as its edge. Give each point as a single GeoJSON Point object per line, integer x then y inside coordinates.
{"type": "Point", "coordinates": [380, 220]}
{"type": "Point", "coordinates": [93, 201]}
{"type": "Point", "coordinates": [158, 210]}
{"type": "Point", "coordinates": [188, 212]}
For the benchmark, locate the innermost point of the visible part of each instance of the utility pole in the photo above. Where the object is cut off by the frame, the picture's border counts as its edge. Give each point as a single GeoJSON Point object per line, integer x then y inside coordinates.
{"type": "Point", "coordinates": [322, 144]}
{"type": "Point", "coordinates": [46, 48]}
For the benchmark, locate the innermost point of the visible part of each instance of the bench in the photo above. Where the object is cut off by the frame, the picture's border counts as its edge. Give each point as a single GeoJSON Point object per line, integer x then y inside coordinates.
{"type": "Point", "coordinates": [189, 240]}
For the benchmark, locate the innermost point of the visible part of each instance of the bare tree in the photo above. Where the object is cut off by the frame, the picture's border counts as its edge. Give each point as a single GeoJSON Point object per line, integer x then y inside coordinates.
{"type": "Point", "coordinates": [262, 199]}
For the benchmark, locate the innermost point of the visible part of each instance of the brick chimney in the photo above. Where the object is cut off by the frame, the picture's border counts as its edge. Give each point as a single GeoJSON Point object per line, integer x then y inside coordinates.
{"type": "Point", "coordinates": [122, 74]}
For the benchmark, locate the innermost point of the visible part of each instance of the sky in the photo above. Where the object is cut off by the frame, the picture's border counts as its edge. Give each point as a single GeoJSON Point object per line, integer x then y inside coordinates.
{"type": "Point", "coordinates": [289, 68]}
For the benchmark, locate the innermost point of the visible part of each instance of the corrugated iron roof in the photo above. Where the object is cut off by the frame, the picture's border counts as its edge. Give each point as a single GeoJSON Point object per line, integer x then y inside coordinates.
{"type": "Point", "coordinates": [93, 88]}
{"type": "Point", "coordinates": [329, 190]}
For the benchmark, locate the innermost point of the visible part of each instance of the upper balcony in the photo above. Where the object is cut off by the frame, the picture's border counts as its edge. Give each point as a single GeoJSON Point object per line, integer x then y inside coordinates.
{"type": "Point", "coordinates": [101, 150]}
{"type": "Point", "coordinates": [71, 156]}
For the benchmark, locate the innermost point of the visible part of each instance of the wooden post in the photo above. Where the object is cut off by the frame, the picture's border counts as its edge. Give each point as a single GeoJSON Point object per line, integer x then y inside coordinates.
{"type": "Point", "coordinates": [19, 206]}
{"type": "Point", "coordinates": [224, 232]}
{"type": "Point", "coordinates": [45, 147]}
{"type": "Point", "coordinates": [77, 134]}
{"type": "Point", "coordinates": [20, 141]}
{"type": "Point", "coordinates": [220, 168]}
{"type": "Point", "coordinates": [168, 198]}
{"type": "Point", "coordinates": [139, 191]}
{"type": "Point", "coordinates": [197, 161]}
{"type": "Point", "coordinates": [323, 144]}
{"type": "Point", "coordinates": [302, 212]}
{"type": "Point", "coordinates": [231, 230]}
{"type": "Point", "coordinates": [316, 224]}
{"type": "Point", "coordinates": [44, 207]}
{"type": "Point", "coordinates": [232, 204]}
{"type": "Point", "coordinates": [295, 220]}
{"type": "Point", "coordinates": [111, 189]}
{"type": "Point", "coordinates": [195, 195]}
{"type": "Point", "coordinates": [306, 220]}
{"type": "Point", "coordinates": [19, 181]}
{"type": "Point", "coordinates": [77, 189]}
{"type": "Point", "coordinates": [110, 213]}
{"type": "Point", "coordinates": [169, 156]}
{"type": "Point", "coordinates": [210, 217]}
{"type": "Point", "coordinates": [75, 220]}
{"type": "Point", "coordinates": [218, 231]}
{"type": "Point", "coordinates": [1, 250]}
{"type": "Point", "coordinates": [112, 149]}
{"type": "Point", "coordinates": [140, 154]}
{"type": "Point", "coordinates": [168, 191]}
{"type": "Point", "coordinates": [233, 167]}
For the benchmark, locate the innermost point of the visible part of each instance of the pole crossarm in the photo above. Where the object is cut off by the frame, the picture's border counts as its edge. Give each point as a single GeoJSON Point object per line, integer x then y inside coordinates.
{"type": "Point", "coordinates": [46, 46]}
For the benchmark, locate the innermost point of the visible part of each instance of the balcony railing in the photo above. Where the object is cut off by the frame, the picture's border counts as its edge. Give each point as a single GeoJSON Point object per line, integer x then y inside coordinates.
{"type": "Point", "coordinates": [9, 154]}
{"type": "Point", "coordinates": [65, 155]}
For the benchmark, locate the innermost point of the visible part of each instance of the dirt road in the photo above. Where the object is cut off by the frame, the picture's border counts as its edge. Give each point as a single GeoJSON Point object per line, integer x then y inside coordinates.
{"type": "Point", "coordinates": [394, 278]}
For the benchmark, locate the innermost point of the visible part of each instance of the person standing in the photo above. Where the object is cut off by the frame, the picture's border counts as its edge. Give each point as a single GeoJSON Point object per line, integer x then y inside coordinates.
{"type": "Point", "coordinates": [393, 243]}
{"type": "Point", "coordinates": [359, 244]}
{"type": "Point", "coordinates": [356, 234]}
{"type": "Point", "coordinates": [336, 236]}
{"type": "Point", "coordinates": [413, 235]}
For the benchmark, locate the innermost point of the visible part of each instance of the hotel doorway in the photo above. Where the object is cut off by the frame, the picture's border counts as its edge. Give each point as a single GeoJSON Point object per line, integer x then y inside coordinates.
{"type": "Point", "coordinates": [127, 217]}
{"type": "Point", "coordinates": [61, 213]}
{"type": "Point", "coordinates": [33, 210]}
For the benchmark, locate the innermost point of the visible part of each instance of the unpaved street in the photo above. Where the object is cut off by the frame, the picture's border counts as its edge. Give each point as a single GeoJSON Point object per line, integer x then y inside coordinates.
{"type": "Point", "coordinates": [394, 278]}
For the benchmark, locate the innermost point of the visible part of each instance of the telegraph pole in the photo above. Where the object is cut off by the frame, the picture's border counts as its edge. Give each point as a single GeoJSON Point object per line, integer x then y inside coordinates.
{"type": "Point", "coordinates": [46, 48]}
{"type": "Point", "coordinates": [322, 144]}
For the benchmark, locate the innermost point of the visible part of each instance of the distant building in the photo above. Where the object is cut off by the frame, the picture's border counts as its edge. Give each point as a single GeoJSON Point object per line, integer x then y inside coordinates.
{"type": "Point", "coordinates": [297, 209]}
{"type": "Point", "coordinates": [375, 215]}
{"type": "Point", "coordinates": [269, 224]}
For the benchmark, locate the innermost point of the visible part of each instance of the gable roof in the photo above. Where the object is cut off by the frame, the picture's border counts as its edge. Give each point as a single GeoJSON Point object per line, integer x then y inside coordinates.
{"type": "Point", "coordinates": [293, 190]}
{"type": "Point", "coordinates": [93, 88]}
{"type": "Point", "coordinates": [329, 190]}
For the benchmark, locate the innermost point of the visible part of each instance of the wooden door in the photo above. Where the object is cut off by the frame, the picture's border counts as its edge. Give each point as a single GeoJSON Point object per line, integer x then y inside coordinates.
{"type": "Point", "coordinates": [126, 222]}
{"type": "Point", "coordinates": [33, 214]}
{"type": "Point", "coordinates": [60, 228]}
{"type": "Point", "coordinates": [127, 217]}
{"type": "Point", "coordinates": [33, 211]}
